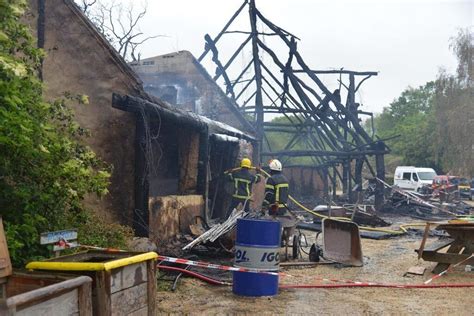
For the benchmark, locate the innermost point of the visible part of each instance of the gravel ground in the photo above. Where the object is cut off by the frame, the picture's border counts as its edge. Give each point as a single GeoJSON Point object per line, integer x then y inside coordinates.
{"type": "Point", "coordinates": [384, 261]}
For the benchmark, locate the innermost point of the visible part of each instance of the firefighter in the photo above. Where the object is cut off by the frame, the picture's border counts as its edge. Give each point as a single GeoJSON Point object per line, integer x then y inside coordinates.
{"type": "Point", "coordinates": [242, 180]}
{"type": "Point", "coordinates": [276, 190]}
{"type": "Point", "coordinates": [276, 199]}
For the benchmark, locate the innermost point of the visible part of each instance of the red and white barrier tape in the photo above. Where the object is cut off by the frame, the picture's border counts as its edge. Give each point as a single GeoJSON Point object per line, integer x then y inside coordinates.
{"type": "Point", "coordinates": [348, 281]}
{"type": "Point", "coordinates": [208, 265]}
{"type": "Point", "coordinates": [448, 269]}
{"type": "Point", "coordinates": [342, 282]}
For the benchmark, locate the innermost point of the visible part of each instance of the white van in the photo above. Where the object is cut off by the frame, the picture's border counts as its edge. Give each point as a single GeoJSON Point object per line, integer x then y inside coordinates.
{"type": "Point", "coordinates": [413, 178]}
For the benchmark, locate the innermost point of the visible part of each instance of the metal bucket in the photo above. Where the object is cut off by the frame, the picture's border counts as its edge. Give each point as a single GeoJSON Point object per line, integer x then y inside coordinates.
{"type": "Point", "coordinates": [257, 246]}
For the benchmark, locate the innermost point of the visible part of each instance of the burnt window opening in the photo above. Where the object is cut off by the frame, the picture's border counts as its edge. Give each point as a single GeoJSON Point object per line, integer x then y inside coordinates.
{"type": "Point", "coordinates": [222, 157]}
{"type": "Point", "coordinates": [173, 159]}
{"type": "Point", "coordinates": [162, 160]}
{"type": "Point", "coordinates": [148, 63]}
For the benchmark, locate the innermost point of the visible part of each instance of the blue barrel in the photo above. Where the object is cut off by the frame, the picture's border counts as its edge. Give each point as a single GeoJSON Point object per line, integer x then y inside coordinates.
{"type": "Point", "coordinates": [257, 246]}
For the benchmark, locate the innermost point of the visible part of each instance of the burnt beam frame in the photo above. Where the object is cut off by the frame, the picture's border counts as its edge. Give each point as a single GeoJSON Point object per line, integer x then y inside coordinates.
{"type": "Point", "coordinates": [329, 129]}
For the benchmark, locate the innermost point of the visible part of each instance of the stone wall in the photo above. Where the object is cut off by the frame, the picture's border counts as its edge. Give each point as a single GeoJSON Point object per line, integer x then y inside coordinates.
{"type": "Point", "coordinates": [78, 60]}
{"type": "Point", "coordinates": [179, 79]}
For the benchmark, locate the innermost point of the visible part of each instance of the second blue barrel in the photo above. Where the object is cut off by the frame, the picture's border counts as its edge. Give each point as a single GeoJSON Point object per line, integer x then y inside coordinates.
{"type": "Point", "coordinates": [257, 246]}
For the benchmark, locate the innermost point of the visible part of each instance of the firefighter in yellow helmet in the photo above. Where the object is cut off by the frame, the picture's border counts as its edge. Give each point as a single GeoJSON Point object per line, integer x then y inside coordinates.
{"type": "Point", "coordinates": [242, 180]}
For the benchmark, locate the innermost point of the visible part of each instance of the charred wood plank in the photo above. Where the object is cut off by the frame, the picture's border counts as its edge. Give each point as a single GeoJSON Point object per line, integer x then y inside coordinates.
{"type": "Point", "coordinates": [206, 49]}
{"type": "Point", "coordinates": [342, 71]}
{"type": "Point", "coordinates": [303, 153]}
{"type": "Point", "coordinates": [220, 69]}
{"type": "Point", "coordinates": [258, 80]}
{"type": "Point", "coordinates": [237, 80]}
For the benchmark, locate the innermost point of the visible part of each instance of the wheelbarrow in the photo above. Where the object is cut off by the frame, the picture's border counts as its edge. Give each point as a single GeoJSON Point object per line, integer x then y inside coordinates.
{"type": "Point", "coordinates": [341, 242]}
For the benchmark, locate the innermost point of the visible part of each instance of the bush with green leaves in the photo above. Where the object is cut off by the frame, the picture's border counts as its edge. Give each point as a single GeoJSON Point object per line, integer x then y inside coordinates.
{"type": "Point", "coordinates": [434, 121]}
{"type": "Point", "coordinates": [45, 170]}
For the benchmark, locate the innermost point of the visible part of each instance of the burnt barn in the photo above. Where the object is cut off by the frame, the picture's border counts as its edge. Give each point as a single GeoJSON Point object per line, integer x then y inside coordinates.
{"type": "Point", "coordinates": [180, 157]}
{"type": "Point", "coordinates": [166, 161]}
{"type": "Point", "coordinates": [168, 157]}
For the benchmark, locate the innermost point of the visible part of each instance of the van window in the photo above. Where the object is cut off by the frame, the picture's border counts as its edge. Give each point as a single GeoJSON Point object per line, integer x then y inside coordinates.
{"type": "Point", "coordinates": [406, 176]}
{"type": "Point", "coordinates": [426, 175]}
{"type": "Point", "coordinates": [415, 177]}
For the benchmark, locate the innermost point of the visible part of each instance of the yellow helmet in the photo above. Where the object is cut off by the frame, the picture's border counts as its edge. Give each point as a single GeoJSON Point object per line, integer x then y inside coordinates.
{"type": "Point", "coordinates": [245, 163]}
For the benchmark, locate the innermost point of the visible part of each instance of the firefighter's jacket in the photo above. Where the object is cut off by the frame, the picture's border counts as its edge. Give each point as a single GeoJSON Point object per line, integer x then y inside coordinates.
{"type": "Point", "coordinates": [243, 181]}
{"type": "Point", "coordinates": [277, 191]}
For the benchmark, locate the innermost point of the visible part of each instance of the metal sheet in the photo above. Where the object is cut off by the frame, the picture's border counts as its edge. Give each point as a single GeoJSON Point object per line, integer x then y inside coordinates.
{"type": "Point", "coordinates": [342, 242]}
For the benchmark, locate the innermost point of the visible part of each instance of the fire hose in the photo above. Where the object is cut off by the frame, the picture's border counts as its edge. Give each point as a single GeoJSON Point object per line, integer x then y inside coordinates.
{"type": "Point", "coordinates": [353, 284]}
{"type": "Point", "coordinates": [380, 285]}
{"type": "Point", "coordinates": [200, 276]}
{"type": "Point", "coordinates": [337, 283]}
{"type": "Point", "coordinates": [402, 228]}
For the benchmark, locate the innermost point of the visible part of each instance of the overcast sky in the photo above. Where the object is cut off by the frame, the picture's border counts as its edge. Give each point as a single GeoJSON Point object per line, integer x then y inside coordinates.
{"type": "Point", "coordinates": [407, 41]}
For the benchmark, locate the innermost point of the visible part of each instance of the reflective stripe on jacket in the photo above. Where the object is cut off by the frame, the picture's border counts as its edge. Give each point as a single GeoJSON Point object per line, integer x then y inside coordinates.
{"type": "Point", "coordinates": [277, 190]}
{"type": "Point", "coordinates": [243, 181]}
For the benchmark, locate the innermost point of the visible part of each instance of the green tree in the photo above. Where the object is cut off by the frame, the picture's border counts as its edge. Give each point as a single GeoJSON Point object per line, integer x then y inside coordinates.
{"type": "Point", "coordinates": [45, 171]}
{"type": "Point", "coordinates": [434, 121]}
{"type": "Point", "coordinates": [410, 117]}
{"type": "Point", "coordinates": [454, 108]}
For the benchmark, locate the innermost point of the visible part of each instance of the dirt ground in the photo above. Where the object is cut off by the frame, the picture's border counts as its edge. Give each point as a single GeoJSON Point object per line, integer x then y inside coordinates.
{"type": "Point", "coordinates": [384, 261]}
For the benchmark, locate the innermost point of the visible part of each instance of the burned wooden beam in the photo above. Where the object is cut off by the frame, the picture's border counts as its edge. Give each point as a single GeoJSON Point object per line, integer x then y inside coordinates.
{"type": "Point", "coordinates": [342, 71]}
{"type": "Point", "coordinates": [237, 80]}
{"type": "Point", "coordinates": [258, 80]}
{"type": "Point", "coordinates": [235, 15]}
{"type": "Point", "coordinates": [221, 70]}
{"type": "Point", "coordinates": [303, 153]}
{"type": "Point", "coordinates": [330, 133]}
{"type": "Point", "coordinates": [231, 59]}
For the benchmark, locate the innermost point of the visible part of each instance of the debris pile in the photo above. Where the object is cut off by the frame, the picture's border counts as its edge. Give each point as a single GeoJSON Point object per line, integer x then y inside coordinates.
{"type": "Point", "coordinates": [217, 230]}
{"type": "Point", "coordinates": [418, 205]}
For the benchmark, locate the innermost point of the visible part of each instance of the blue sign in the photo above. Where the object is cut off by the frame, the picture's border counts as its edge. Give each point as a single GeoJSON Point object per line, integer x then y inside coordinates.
{"type": "Point", "coordinates": [55, 237]}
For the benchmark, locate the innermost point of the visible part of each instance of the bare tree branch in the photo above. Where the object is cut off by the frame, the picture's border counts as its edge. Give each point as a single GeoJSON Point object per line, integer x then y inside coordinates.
{"type": "Point", "coordinates": [119, 24]}
{"type": "Point", "coordinates": [85, 5]}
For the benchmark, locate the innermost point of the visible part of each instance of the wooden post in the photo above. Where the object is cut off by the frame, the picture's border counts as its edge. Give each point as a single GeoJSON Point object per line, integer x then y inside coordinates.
{"type": "Point", "coordinates": [380, 170]}
{"type": "Point", "coordinates": [151, 291]}
{"type": "Point", "coordinates": [85, 299]}
{"type": "Point", "coordinates": [349, 180]}
{"type": "Point", "coordinates": [334, 182]}
{"type": "Point", "coordinates": [325, 175]}
{"type": "Point", "coordinates": [359, 164]}
{"type": "Point", "coordinates": [345, 178]}
{"type": "Point", "coordinates": [258, 83]}
{"type": "Point", "coordinates": [351, 93]}
{"type": "Point", "coordinates": [203, 166]}
{"type": "Point", "coordinates": [102, 300]}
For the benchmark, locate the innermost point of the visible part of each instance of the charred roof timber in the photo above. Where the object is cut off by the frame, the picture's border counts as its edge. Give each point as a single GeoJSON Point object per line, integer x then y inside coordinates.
{"type": "Point", "coordinates": [317, 119]}
{"type": "Point", "coordinates": [198, 122]}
